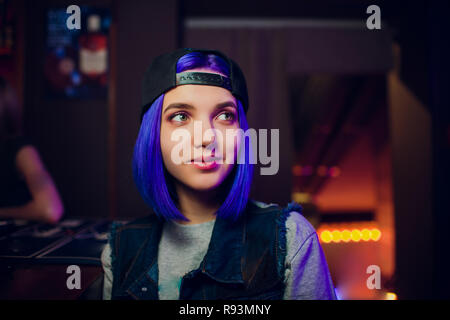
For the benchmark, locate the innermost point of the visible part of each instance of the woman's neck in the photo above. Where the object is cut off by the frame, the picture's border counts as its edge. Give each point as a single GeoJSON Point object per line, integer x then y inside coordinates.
{"type": "Point", "coordinates": [197, 206]}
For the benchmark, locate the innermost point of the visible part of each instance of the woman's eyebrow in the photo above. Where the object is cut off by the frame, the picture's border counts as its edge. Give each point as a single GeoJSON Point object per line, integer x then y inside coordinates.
{"type": "Point", "coordinates": [226, 104]}
{"type": "Point", "coordinates": [178, 105]}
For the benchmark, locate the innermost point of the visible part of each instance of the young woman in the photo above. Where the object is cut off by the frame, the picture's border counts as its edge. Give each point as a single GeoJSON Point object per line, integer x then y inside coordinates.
{"type": "Point", "coordinates": [205, 239]}
{"type": "Point", "coordinates": [27, 190]}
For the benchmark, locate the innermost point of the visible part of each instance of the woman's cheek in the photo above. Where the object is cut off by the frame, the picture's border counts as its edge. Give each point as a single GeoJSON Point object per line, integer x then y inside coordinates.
{"type": "Point", "coordinates": [167, 146]}
{"type": "Point", "coordinates": [232, 146]}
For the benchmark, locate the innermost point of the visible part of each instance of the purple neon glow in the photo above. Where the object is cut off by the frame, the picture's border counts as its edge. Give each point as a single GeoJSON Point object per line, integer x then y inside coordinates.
{"type": "Point", "coordinates": [152, 179]}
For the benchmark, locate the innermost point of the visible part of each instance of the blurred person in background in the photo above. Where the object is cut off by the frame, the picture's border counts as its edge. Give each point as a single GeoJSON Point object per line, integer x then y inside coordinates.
{"type": "Point", "coordinates": [27, 190]}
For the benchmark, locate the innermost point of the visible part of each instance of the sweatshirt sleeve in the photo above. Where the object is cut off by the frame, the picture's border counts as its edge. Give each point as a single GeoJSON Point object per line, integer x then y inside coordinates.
{"type": "Point", "coordinates": [107, 269]}
{"type": "Point", "coordinates": [307, 276]}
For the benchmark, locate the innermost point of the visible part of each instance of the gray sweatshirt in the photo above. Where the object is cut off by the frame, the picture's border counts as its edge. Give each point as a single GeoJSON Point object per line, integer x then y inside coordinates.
{"type": "Point", "coordinates": [182, 248]}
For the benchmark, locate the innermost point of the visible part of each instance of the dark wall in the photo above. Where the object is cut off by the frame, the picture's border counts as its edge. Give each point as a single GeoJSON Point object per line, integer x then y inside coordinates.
{"type": "Point", "coordinates": [411, 174]}
{"type": "Point", "coordinates": [145, 30]}
{"type": "Point", "coordinates": [439, 85]}
{"type": "Point", "coordinates": [421, 144]}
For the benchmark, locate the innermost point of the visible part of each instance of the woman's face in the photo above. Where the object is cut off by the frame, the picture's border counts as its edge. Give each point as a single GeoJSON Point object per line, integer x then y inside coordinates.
{"type": "Point", "coordinates": [205, 107]}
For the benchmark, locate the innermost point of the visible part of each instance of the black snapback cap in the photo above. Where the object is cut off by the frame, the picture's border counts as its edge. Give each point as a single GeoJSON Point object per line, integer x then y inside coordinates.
{"type": "Point", "coordinates": [161, 76]}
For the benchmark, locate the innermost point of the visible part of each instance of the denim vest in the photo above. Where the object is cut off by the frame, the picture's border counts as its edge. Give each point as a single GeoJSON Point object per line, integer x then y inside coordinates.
{"type": "Point", "coordinates": [244, 260]}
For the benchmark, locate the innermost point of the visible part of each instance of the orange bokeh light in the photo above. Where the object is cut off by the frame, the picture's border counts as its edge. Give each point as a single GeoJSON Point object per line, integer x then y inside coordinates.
{"type": "Point", "coordinates": [365, 234]}
{"type": "Point", "coordinates": [325, 236]}
{"type": "Point", "coordinates": [336, 235]}
{"type": "Point", "coordinates": [375, 234]}
{"type": "Point", "coordinates": [356, 235]}
{"type": "Point", "coordinates": [346, 235]}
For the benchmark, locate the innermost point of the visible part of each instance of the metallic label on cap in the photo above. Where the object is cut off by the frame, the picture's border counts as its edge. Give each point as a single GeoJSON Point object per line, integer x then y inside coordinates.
{"type": "Point", "coordinates": [203, 78]}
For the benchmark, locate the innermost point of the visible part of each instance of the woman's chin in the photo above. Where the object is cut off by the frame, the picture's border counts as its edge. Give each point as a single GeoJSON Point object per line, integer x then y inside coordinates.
{"type": "Point", "coordinates": [204, 183]}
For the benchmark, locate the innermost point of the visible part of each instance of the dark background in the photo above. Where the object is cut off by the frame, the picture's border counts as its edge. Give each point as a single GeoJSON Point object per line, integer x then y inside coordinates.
{"type": "Point", "coordinates": [87, 144]}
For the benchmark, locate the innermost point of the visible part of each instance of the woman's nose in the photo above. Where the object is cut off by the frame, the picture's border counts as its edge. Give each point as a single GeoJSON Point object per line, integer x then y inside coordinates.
{"type": "Point", "coordinates": [204, 134]}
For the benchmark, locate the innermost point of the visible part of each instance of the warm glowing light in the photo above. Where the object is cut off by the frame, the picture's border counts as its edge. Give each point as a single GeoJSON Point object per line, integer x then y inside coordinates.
{"type": "Point", "coordinates": [297, 170]}
{"type": "Point", "coordinates": [325, 236]}
{"type": "Point", "coordinates": [375, 234]}
{"type": "Point", "coordinates": [365, 234]}
{"type": "Point", "coordinates": [356, 235]}
{"type": "Point", "coordinates": [301, 197]}
{"type": "Point", "coordinates": [345, 235]}
{"type": "Point", "coordinates": [322, 171]}
{"type": "Point", "coordinates": [334, 172]}
{"type": "Point", "coordinates": [336, 235]}
{"type": "Point", "coordinates": [391, 296]}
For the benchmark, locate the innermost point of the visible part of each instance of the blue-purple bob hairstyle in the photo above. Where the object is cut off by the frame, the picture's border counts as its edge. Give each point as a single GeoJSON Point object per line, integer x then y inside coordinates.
{"type": "Point", "coordinates": [152, 179]}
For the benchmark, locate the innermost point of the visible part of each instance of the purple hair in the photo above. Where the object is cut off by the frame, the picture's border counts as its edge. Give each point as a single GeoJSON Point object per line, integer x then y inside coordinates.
{"type": "Point", "coordinates": [152, 178]}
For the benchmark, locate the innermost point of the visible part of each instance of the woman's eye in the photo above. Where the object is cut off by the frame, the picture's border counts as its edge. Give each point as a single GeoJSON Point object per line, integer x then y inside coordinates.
{"type": "Point", "coordinates": [226, 116]}
{"type": "Point", "coordinates": [179, 117]}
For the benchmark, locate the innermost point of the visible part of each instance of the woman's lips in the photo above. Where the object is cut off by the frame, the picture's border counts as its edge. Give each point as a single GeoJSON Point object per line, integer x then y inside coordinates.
{"type": "Point", "coordinates": [204, 165]}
